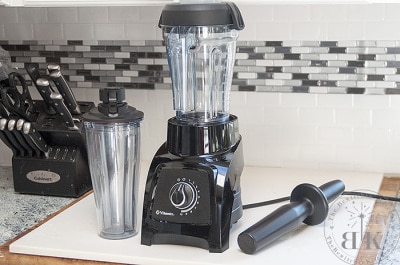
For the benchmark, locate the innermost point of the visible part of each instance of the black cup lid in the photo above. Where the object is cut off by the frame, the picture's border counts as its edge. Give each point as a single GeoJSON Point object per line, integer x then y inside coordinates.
{"type": "Point", "coordinates": [226, 13]}
{"type": "Point", "coordinates": [113, 109]}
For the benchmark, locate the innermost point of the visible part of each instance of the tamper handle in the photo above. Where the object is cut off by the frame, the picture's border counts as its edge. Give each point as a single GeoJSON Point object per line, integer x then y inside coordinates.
{"type": "Point", "coordinates": [332, 189]}
{"type": "Point", "coordinates": [281, 221]}
{"type": "Point", "coordinates": [309, 204]}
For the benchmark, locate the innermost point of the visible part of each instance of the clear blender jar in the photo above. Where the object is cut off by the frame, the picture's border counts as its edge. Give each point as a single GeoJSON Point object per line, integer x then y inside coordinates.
{"type": "Point", "coordinates": [201, 57]}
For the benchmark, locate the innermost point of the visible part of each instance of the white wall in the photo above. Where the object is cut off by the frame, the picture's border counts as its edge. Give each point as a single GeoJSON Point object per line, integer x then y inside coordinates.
{"type": "Point", "coordinates": [263, 22]}
{"type": "Point", "coordinates": [346, 132]}
{"type": "Point", "coordinates": [349, 132]}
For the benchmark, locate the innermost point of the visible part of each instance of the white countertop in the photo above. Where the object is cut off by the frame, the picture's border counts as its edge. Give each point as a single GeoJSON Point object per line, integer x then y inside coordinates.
{"type": "Point", "coordinates": [73, 233]}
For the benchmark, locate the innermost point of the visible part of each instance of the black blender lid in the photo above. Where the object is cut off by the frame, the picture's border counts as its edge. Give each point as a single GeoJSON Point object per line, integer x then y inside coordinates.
{"type": "Point", "coordinates": [209, 14]}
{"type": "Point", "coordinates": [113, 109]}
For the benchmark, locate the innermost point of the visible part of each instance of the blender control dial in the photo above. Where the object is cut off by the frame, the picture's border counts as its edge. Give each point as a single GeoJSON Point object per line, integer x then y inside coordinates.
{"type": "Point", "coordinates": [183, 196]}
{"type": "Point", "coordinates": [179, 197]}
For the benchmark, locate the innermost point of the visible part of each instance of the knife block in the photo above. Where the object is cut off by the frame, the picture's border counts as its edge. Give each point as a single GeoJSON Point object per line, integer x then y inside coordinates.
{"type": "Point", "coordinates": [63, 173]}
{"type": "Point", "coordinates": [65, 170]}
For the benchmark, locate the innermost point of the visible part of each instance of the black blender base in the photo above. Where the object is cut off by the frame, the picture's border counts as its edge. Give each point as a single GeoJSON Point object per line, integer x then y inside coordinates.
{"type": "Point", "coordinates": [178, 240]}
{"type": "Point", "coordinates": [218, 245]}
{"type": "Point", "coordinates": [192, 201]}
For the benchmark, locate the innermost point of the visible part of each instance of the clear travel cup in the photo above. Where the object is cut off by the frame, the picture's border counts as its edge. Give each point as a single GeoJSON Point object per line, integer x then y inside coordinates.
{"type": "Point", "coordinates": [113, 143]}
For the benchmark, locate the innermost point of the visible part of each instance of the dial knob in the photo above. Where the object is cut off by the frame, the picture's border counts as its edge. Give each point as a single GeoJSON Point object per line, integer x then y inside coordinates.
{"type": "Point", "coordinates": [183, 196]}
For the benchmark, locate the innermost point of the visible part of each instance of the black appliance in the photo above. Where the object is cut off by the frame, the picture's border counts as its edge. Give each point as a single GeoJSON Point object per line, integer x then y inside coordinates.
{"type": "Point", "coordinates": [192, 194]}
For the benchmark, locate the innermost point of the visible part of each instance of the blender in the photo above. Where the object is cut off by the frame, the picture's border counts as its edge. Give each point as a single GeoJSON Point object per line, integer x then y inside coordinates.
{"type": "Point", "coordinates": [192, 193]}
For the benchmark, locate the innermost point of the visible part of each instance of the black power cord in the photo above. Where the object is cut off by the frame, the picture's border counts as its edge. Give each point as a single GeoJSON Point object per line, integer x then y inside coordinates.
{"type": "Point", "coordinates": [264, 203]}
{"type": "Point", "coordinates": [345, 193]}
{"type": "Point", "coordinates": [370, 195]}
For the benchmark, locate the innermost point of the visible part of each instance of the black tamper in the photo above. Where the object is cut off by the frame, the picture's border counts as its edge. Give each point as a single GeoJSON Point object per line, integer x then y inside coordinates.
{"type": "Point", "coordinates": [308, 204]}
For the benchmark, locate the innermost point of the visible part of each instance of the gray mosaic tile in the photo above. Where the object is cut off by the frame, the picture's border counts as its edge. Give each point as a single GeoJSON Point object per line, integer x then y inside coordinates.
{"type": "Point", "coordinates": [352, 66]}
{"type": "Point", "coordinates": [319, 50]}
{"type": "Point", "coordinates": [264, 89]}
{"type": "Point", "coordinates": [256, 69]}
{"type": "Point", "coordinates": [310, 56]}
{"type": "Point", "coordinates": [301, 89]}
{"type": "Point", "coordinates": [355, 90]}
{"type": "Point", "coordinates": [301, 63]}
{"type": "Point", "coordinates": [386, 43]}
{"type": "Point", "coordinates": [329, 70]}
{"type": "Point", "coordinates": [337, 63]}
{"type": "Point", "coordinates": [318, 90]}
{"type": "Point", "coordinates": [338, 90]}
{"type": "Point", "coordinates": [318, 76]}
{"type": "Point", "coordinates": [282, 89]}
{"type": "Point", "coordinates": [292, 69]}
{"type": "Point", "coordinates": [292, 83]}
{"type": "Point", "coordinates": [262, 49]}
{"type": "Point", "coordinates": [273, 56]}
{"type": "Point", "coordinates": [347, 43]}
{"type": "Point", "coordinates": [310, 43]}
{"type": "Point", "coordinates": [374, 91]}
{"type": "Point", "coordinates": [366, 43]}
{"type": "Point", "coordinates": [366, 71]}
{"type": "Point", "coordinates": [256, 82]}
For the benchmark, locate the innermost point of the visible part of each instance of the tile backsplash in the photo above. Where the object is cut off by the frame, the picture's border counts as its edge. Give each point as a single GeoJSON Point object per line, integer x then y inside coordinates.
{"type": "Point", "coordinates": [352, 67]}
{"type": "Point", "coordinates": [334, 71]}
{"type": "Point", "coordinates": [338, 67]}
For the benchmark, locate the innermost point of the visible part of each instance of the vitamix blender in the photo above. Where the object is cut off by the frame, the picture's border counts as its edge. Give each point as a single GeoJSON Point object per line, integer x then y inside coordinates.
{"type": "Point", "coordinates": [192, 195]}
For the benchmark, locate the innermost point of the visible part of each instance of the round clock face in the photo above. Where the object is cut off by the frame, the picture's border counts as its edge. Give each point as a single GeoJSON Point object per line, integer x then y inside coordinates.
{"type": "Point", "coordinates": [346, 227]}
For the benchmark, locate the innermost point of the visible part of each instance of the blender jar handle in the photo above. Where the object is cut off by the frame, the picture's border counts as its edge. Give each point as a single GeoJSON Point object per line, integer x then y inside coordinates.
{"type": "Point", "coordinates": [238, 22]}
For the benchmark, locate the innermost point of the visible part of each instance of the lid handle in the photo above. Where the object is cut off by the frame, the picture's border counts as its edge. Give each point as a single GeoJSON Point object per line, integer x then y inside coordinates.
{"type": "Point", "coordinates": [238, 22]}
{"type": "Point", "coordinates": [112, 101]}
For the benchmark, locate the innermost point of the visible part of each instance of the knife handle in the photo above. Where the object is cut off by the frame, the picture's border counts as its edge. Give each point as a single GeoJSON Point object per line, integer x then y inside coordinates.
{"type": "Point", "coordinates": [65, 91]}
{"type": "Point", "coordinates": [53, 67]}
{"type": "Point", "coordinates": [34, 74]}
{"type": "Point", "coordinates": [58, 103]}
{"type": "Point", "coordinates": [3, 127]}
{"type": "Point", "coordinates": [18, 135]}
{"type": "Point", "coordinates": [19, 126]}
{"type": "Point", "coordinates": [7, 142]}
{"type": "Point", "coordinates": [36, 137]}
{"type": "Point", "coordinates": [55, 100]}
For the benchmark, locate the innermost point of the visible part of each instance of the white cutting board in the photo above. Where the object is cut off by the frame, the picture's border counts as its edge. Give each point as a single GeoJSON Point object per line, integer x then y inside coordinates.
{"type": "Point", "coordinates": [73, 233]}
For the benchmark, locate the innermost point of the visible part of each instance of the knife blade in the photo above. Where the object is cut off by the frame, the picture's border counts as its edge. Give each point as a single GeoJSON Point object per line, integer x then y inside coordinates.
{"type": "Point", "coordinates": [19, 126]}
{"type": "Point", "coordinates": [34, 74]}
{"type": "Point", "coordinates": [55, 100]}
{"type": "Point", "coordinates": [65, 91]}
{"type": "Point", "coordinates": [11, 137]}
{"type": "Point", "coordinates": [36, 137]}
{"type": "Point", "coordinates": [18, 135]}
